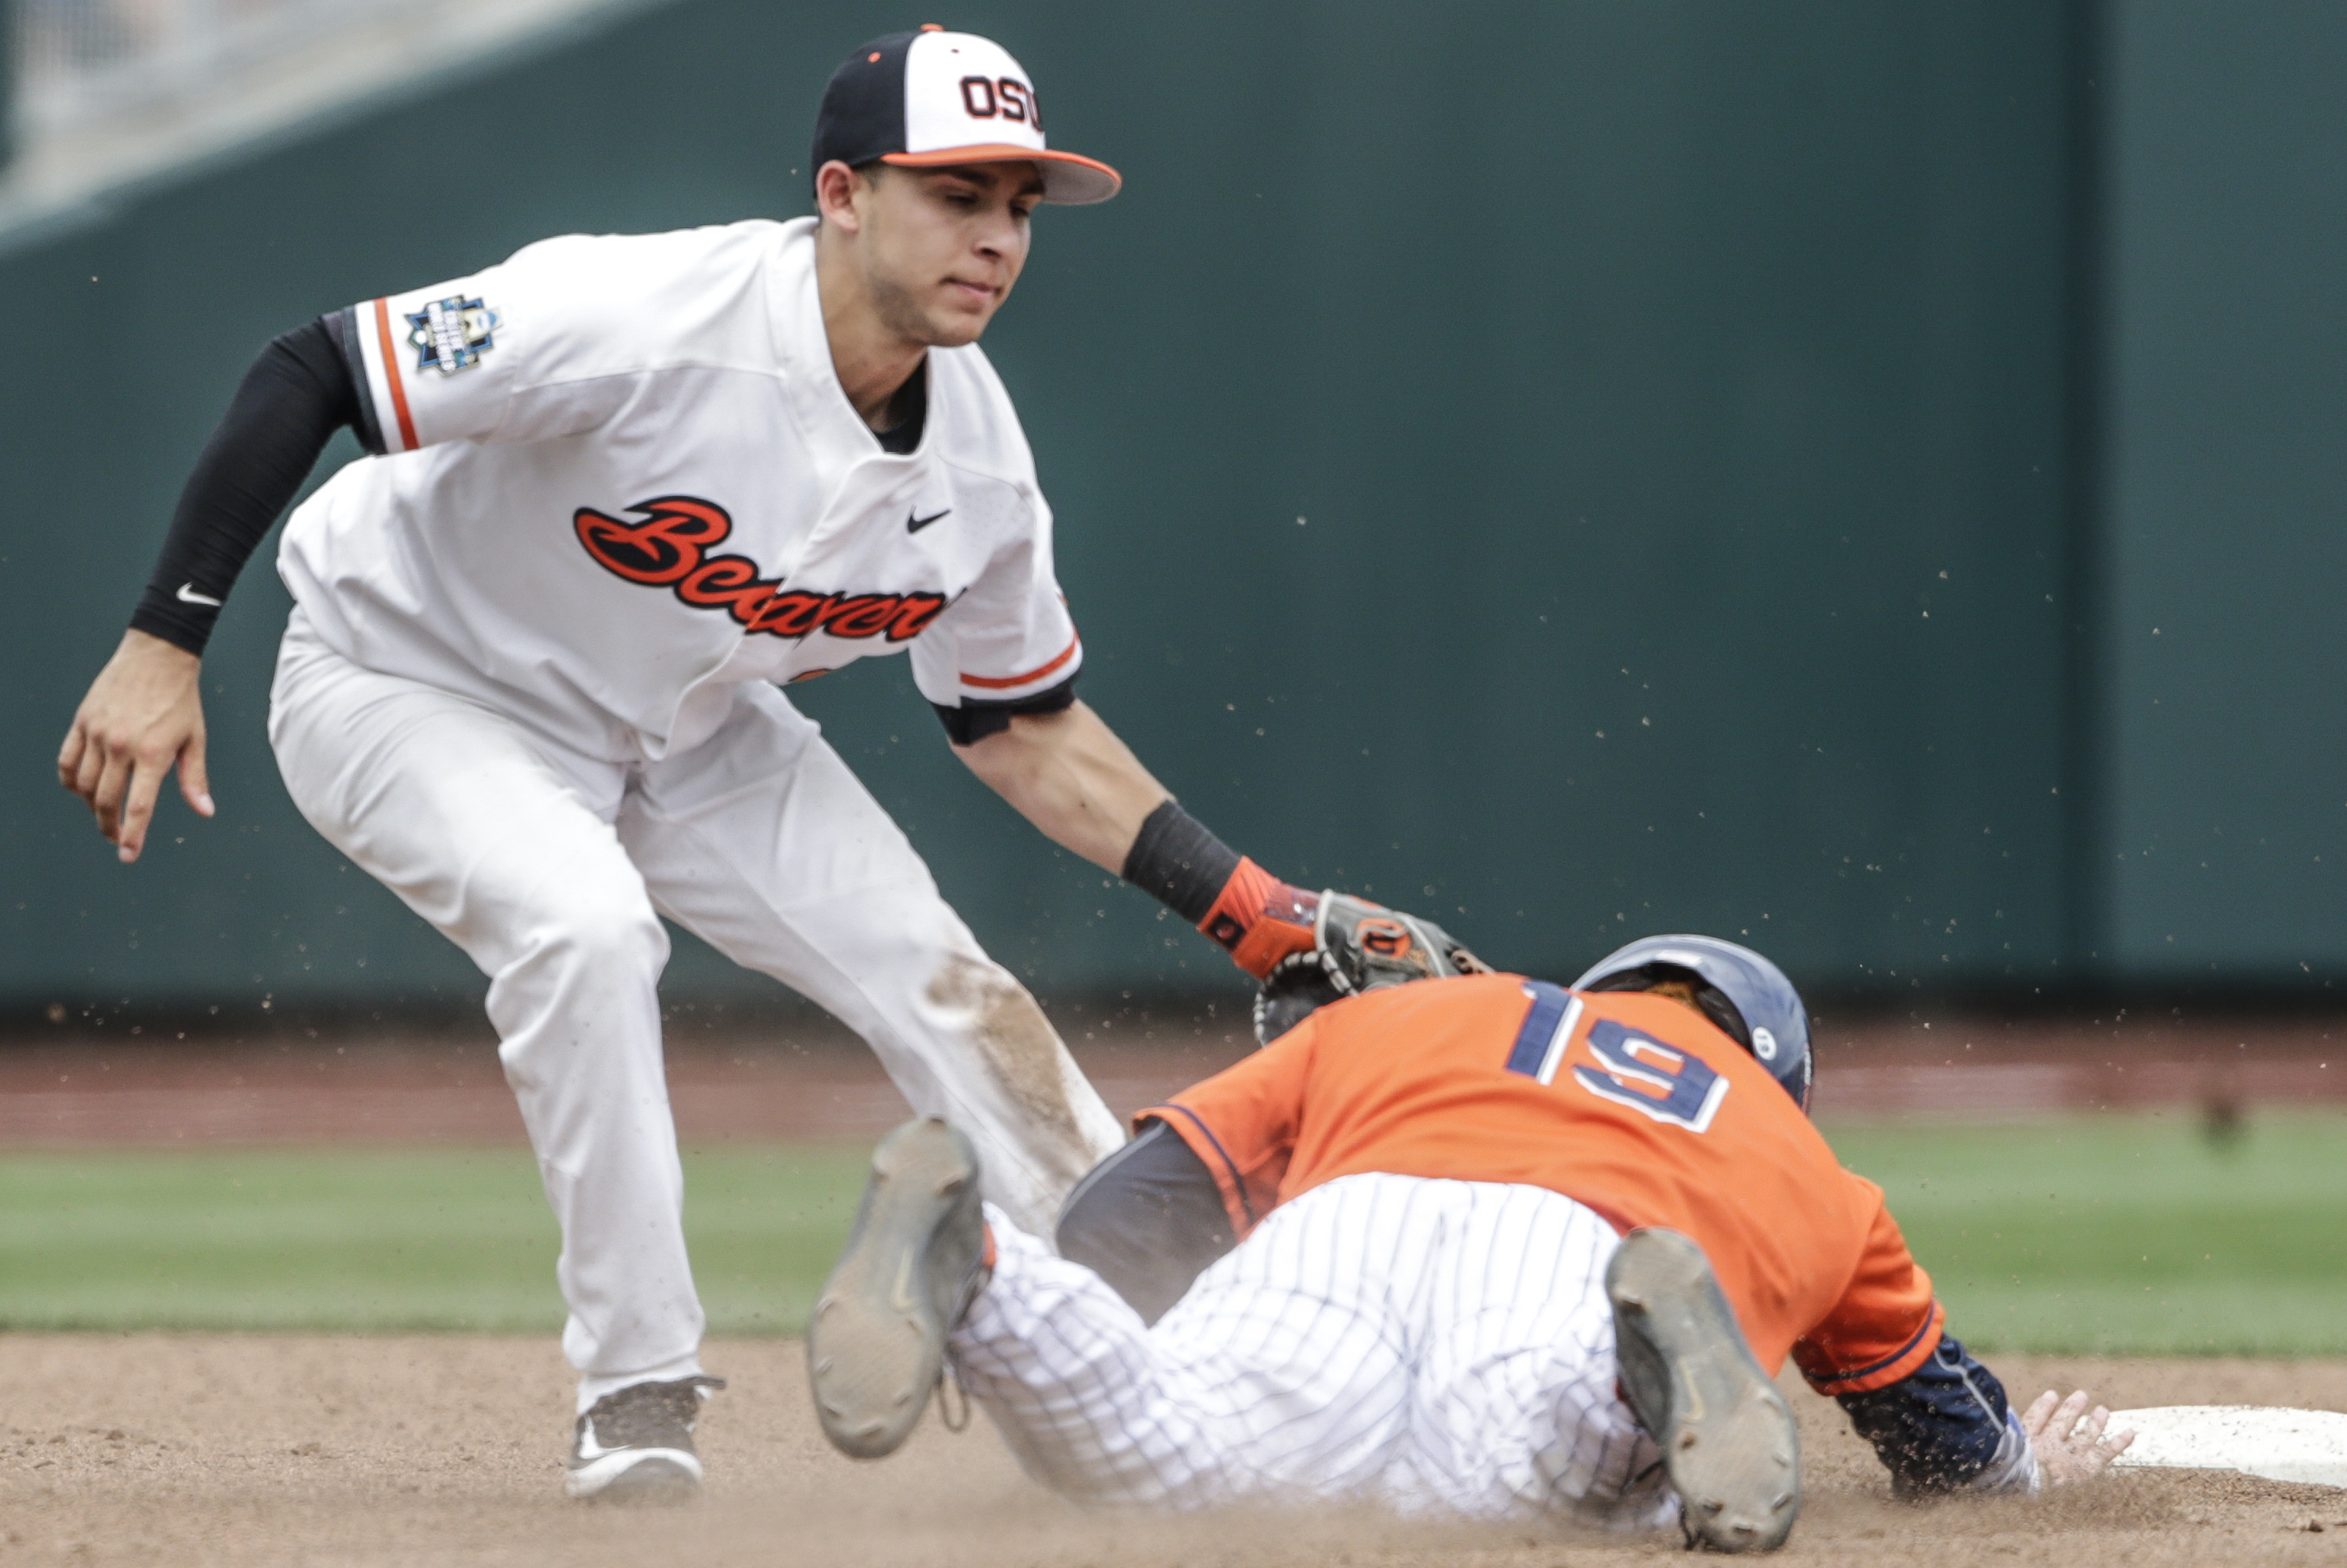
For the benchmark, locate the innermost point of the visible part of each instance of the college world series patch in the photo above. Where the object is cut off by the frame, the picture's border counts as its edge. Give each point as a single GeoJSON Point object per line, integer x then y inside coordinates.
{"type": "Point", "coordinates": [452, 334]}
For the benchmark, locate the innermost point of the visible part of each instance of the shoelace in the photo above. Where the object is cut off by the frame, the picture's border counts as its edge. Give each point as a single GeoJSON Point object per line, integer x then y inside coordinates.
{"type": "Point", "coordinates": [946, 1380]}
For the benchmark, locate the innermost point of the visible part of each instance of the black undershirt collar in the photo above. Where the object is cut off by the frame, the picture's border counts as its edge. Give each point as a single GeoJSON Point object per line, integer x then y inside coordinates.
{"type": "Point", "coordinates": [908, 412]}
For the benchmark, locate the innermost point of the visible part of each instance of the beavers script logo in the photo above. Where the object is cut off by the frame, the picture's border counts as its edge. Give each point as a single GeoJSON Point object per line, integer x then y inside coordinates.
{"type": "Point", "coordinates": [670, 549]}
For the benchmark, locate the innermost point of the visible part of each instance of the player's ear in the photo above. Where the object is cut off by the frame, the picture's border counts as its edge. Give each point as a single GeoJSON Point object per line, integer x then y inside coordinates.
{"type": "Point", "coordinates": [836, 186]}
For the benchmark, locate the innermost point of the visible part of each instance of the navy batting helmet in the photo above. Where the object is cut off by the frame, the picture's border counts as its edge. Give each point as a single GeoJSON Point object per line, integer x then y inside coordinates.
{"type": "Point", "coordinates": [1745, 995]}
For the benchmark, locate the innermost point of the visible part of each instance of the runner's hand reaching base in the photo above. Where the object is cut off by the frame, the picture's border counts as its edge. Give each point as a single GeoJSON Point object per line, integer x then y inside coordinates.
{"type": "Point", "coordinates": [2069, 1440]}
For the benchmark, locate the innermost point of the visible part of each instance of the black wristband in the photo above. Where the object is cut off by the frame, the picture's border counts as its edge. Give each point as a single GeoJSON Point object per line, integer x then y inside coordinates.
{"type": "Point", "coordinates": [1177, 859]}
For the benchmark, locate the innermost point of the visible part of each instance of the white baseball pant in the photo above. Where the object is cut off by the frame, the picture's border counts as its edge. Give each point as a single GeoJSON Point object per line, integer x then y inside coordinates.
{"type": "Point", "coordinates": [1439, 1347]}
{"type": "Point", "coordinates": [548, 868]}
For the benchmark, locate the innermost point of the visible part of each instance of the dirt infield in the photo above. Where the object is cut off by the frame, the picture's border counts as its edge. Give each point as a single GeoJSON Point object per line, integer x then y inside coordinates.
{"type": "Point", "coordinates": [309, 1452]}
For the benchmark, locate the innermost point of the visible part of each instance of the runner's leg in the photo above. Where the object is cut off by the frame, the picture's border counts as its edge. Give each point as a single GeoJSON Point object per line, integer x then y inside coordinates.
{"type": "Point", "coordinates": [1427, 1344]}
{"type": "Point", "coordinates": [1515, 1405]}
{"type": "Point", "coordinates": [1282, 1376]}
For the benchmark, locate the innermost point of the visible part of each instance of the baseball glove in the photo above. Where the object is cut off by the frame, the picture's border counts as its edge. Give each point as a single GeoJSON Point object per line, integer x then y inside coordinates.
{"type": "Point", "coordinates": [1357, 947]}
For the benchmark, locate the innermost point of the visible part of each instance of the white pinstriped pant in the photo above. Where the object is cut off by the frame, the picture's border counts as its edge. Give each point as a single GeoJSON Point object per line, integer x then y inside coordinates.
{"type": "Point", "coordinates": [1436, 1347]}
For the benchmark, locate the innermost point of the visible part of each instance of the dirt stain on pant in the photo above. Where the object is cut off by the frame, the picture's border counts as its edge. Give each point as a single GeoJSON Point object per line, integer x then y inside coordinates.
{"type": "Point", "coordinates": [1024, 1053]}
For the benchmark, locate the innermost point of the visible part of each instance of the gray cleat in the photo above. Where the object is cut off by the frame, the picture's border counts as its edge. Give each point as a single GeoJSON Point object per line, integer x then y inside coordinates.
{"type": "Point", "coordinates": [1727, 1435]}
{"type": "Point", "coordinates": [635, 1445]}
{"type": "Point", "coordinates": [875, 1346]}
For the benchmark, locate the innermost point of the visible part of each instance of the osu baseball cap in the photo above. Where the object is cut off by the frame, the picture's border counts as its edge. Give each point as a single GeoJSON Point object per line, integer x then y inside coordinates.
{"type": "Point", "coordinates": [933, 98]}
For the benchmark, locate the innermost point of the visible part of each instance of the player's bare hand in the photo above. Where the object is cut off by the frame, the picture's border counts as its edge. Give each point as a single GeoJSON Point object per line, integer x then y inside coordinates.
{"type": "Point", "coordinates": [143, 714]}
{"type": "Point", "coordinates": [2070, 1441]}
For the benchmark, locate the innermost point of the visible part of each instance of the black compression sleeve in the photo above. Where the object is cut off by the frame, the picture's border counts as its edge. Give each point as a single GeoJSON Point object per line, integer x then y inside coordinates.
{"type": "Point", "coordinates": [295, 396]}
{"type": "Point", "coordinates": [975, 720]}
{"type": "Point", "coordinates": [1148, 1220]}
{"type": "Point", "coordinates": [1176, 859]}
{"type": "Point", "coordinates": [343, 325]}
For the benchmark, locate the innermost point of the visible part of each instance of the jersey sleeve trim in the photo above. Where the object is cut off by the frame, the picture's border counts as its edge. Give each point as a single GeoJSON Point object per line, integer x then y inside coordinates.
{"type": "Point", "coordinates": [387, 366]}
{"type": "Point", "coordinates": [1006, 682]}
{"type": "Point", "coordinates": [1192, 1131]}
{"type": "Point", "coordinates": [1891, 1368]}
{"type": "Point", "coordinates": [349, 334]}
{"type": "Point", "coordinates": [973, 719]}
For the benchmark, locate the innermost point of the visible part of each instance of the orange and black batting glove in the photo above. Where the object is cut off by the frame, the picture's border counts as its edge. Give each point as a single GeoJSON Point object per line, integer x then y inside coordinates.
{"type": "Point", "coordinates": [1258, 919]}
{"type": "Point", "coordinates": [1245, 910]}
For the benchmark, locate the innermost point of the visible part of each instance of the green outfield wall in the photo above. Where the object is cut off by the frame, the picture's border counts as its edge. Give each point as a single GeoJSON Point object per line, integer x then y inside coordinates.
{"type": "Point", "coordinates": [2222, 849]}
{"type": "Point", "coordinates": [1576, 469]}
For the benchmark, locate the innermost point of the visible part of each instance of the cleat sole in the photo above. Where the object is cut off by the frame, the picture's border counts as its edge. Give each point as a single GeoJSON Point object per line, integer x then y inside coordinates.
{"type": "Point", "coordinates": [876, 1345]}
{"type": "Point", "coordinates": [1727, 1437]}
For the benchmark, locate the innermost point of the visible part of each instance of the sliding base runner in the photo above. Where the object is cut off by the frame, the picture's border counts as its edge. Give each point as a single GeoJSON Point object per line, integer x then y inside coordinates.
{"type": "Point", "coordinates": [1474, 1245]}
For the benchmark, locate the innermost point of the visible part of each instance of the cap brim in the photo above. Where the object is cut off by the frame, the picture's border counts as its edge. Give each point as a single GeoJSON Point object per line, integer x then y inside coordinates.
{"type": "Point", "coordinates": [1069, 180]}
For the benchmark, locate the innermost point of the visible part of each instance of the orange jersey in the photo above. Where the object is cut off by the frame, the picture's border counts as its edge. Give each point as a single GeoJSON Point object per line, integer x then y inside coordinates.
{"type": "Point", "coordinates": [1633, 1105]}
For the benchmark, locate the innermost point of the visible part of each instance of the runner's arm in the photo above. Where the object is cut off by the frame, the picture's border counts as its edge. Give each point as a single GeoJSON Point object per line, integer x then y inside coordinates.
{"type": "Point", "coordinates": [1946, 1427]}
{"type": "Point", "coordinates": [1939, 1421]}
{"type": "Point", "coordinates": [1148, 1220]}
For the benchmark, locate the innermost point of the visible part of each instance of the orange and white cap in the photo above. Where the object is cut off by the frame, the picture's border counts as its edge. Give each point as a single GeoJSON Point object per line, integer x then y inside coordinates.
{"type": "Point", "coordinates": [931, 97]}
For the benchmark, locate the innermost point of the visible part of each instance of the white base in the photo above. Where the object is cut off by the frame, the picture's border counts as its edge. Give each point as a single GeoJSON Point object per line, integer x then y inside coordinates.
{"type": "Point", "coordinates": [2276, 1443]}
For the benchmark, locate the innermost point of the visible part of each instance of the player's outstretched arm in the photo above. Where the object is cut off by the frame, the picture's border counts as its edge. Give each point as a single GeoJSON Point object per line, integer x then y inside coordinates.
{"type": "Point", "coordinates": [143, 715]}
{"type": "Point", "coordinates": [1939, 1421]}
{"type": "Point", "coordinates": [1946, 1427]}
{"type": "Point", "coordinates": [1068, 773]}
{"type": "Point", "coordinates": [2072, 1442]}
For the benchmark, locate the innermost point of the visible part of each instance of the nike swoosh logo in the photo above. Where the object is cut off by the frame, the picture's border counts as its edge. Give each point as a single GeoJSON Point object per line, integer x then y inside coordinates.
{"type": "Point", "coordinates": [914, 525]}
{"type": "Point", "coordinates": [589, 1448]}
{"type": "Point", "coordinates": [187, 594]}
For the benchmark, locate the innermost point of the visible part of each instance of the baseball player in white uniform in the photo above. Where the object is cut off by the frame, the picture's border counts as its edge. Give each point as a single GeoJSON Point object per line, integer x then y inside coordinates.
{"type": "Point", "coordinates": [622, 491]}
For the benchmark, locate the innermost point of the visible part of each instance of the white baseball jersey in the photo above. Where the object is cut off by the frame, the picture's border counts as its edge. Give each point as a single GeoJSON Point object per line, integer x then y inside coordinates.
{"type": "Point", "coordinates": [621, 478]}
